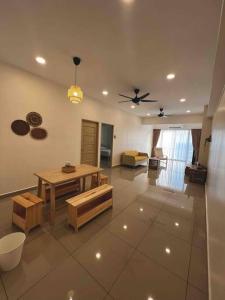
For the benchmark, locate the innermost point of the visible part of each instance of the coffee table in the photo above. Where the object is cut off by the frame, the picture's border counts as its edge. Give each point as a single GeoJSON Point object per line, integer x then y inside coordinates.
{"type": "Point", "coordinates": [153, 163]}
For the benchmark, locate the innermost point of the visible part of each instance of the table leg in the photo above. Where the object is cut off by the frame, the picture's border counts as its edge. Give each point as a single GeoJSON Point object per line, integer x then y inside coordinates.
{"type": "Point", "coordinates": [52, 199]}
{"type": "Point", "coordinates": [43, 193]}
{"type": "Point", "coordinates": [98, 179]}
{"type": "Point", "coordinates": [84, 184]}
{"type": "Point", "coordinates": [39, 190]}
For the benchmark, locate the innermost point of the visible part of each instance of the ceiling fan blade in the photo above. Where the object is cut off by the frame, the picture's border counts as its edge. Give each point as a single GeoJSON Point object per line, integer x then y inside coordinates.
{"type": "Point", "coordinates": [124, 101]}
{"type": "Point", "coordinates": [144, 96]}
{"type": "Point", "coordinates": [125, 96]}
{"type": "Point", "coordinates": [148, 100]}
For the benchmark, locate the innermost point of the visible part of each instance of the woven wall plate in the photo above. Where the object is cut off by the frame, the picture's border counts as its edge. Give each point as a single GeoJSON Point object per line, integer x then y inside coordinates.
{"type": "Point", "coordinates": [20, 127]}
{"type": "Point", "coordinates": [39, 133]}
{"type": "Point", "coordinates": [34, 119]}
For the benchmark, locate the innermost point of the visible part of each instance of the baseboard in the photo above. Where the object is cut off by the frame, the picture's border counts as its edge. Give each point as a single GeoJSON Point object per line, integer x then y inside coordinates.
{"type": "Point", "coordinates": [17, 191]}
{"type": "Point", "coordinates": [207, 237]}
{"type": "Point", "coordinates": [114, 166]}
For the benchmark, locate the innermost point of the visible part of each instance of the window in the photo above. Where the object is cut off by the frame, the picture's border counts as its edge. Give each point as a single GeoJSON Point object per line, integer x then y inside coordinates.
{"type": "Point", "coordinates": [176, 144]}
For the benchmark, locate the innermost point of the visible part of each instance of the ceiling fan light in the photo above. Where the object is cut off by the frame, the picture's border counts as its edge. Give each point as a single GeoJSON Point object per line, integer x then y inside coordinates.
{"type": "Point", "coordinates": [75, 94]}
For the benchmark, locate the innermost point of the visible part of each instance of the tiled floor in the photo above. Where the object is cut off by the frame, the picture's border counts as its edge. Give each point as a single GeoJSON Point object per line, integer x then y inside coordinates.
{"type": "Point", "coordinates": [151, 246]}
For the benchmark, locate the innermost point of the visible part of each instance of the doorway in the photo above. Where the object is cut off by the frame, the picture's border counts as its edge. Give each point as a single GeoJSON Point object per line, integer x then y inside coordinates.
{"type": "Point", "coordinates": [89, 143]}
{"type": "Point", "coordinates": [106, 148]}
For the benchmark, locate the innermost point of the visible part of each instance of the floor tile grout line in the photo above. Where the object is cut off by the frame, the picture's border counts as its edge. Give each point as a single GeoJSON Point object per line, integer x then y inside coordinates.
{"type": "Point", "coordinates": [50, 271]}
{"type": "Point", "coordinates": [95, 279]}
{"type": "Point", "coordinates": [135, 249]}
{"type": "Point", "coordinates": [189, 266]}
{"type": "Point", "coordinates": [129, 259]}
{"type": "Point", "coordinates": [193, 246]}
{"type": "Point", "coordinates": [4, 288]}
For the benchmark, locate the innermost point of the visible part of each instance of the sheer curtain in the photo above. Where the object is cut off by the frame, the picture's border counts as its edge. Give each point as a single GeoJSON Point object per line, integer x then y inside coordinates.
{"type": "Point", "coordinates": [176, 144]}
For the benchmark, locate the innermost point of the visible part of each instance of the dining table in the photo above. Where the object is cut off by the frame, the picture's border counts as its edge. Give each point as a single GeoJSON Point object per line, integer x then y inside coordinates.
{"type": "Point", "coordinates": [56, 177]}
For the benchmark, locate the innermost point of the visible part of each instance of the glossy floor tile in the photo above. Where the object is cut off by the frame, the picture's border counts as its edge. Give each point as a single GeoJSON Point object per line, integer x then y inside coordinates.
{"type": "Point", "coordinates": [104, 257]}
{"type": "Point", "coordinates": [195, 294]}
{"type": "Point", "coordinates": [175, 225]}
{"type": "Point", "coordinates": [167, 250]}
{"type": "Point", "coordinates": [128, 228]}
{"type": "Point", "coordinates": [40, 255]}
{"type": "Point", "coordinates": [68, 281]}
{"type": "Point", "coordinates": [2, 292]}
{"type": "Point", "coordinates": [154, 237]}
{"type": "Point", "coordinates": [198, 269]}
{"type": "Point", "coordinates": [71, 241]}
{"type": "Point", "coordinates": [145, 279]}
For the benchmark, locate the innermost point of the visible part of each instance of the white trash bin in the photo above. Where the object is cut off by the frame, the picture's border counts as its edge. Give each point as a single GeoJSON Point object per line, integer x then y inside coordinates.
{"type": "Point", "coordinates": [11, 247]}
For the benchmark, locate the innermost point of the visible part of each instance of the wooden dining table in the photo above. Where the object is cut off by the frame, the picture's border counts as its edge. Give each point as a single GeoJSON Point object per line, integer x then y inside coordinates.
{"type": "Point", "coordinates": [56, 177]}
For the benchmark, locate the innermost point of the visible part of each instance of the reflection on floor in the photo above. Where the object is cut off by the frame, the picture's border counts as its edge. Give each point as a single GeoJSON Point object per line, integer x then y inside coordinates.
{"type": "Point", "coordinates": [151, 246]}
{"type": "Point", "coordinates": [105, 162]}
{"type": "Point", "coordinates": [170, 175]}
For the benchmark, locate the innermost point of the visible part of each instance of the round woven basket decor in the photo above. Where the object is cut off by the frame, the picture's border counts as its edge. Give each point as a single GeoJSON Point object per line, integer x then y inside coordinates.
{"type": "Point", "coordinates": [34, 119]}
{"type": "Point", "coordinates": [39, 133]}
{"type": "Point", "coordinates": [20, 127]}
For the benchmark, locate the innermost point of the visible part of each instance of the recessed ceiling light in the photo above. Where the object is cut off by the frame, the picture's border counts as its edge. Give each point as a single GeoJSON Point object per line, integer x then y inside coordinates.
{"type": "Point", "coordinates": [125, 227]}
{"type": "Point", "coordinates": [188, 111]}
{"type": "Point", "coordinates": [105, 93]}
{"type": "Point", "coordinates": [148, 114]}
{"type": "Point", "coordinates": [167, 250]}
{"type": "Point", "coordinates": [98, 255]}
{"type": "Point", "coordinates": [150, 298]}
{"type": "Point", "coordinates": [182, 100]}
{"type": "Point", "coordinates": [40, 60]}
{"type": "Point", "coordinates": [170, 76]}
{"type": "Point", "coordinates": [132, 106]}
{"type": "Point", "coordinates": [141, 209]}
{"type": "Point", "coordinates": [176, 224]}
{"type": "Point", "coordinates": [128, 1]}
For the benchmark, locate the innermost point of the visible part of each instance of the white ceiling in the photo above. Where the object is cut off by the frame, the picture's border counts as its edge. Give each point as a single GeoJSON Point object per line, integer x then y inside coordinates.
{"type": "Point", "coordinates": [123, 44]}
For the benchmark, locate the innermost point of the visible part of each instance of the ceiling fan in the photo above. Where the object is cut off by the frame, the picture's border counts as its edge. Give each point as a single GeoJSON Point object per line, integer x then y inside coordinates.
{"type": "Point", "coordinates": [161, 113]}
{"type": "Point", "coordinates": [137, 99]}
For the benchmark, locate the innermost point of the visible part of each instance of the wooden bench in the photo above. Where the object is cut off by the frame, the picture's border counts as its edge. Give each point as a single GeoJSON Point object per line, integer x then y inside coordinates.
{"type": "Point", "coordinates": [27, 211]}
{"type": "Point", "coordinates": [86, 206]}
{"type": "Point", "coordinates": [62, 189]}
{"type": "Point", "coordinates": [94, 180]}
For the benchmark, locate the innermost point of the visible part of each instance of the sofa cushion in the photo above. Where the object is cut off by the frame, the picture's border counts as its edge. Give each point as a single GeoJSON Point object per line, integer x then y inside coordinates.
{"type": "Point", "coordinates": [131, 153]}
{"type": "Point", "coordinates": [140, 157]}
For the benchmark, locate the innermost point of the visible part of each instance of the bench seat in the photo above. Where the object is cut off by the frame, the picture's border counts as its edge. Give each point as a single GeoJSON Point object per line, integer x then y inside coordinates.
{"type": "Point", "coordinates": [86, 206]}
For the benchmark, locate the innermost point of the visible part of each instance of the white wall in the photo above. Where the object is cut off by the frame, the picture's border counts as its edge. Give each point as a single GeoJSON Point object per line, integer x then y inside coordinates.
{"type": "Point", "coordinates": [206, 132]}
{"type": "Point", "coordinates": [219, 67]}
{"type": "Point", "coordinates": [22, 92]}
{"type": "Point", "coordinates": [216, 206]}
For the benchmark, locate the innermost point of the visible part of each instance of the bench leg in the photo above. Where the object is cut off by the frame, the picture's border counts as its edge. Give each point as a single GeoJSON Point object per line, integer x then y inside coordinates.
{"type": "Point", "coordinates": [39, 190]}
{"type": "Point", "coordinates": [84, 184]}
{"type": "Point", "coordinates": [52, 199]}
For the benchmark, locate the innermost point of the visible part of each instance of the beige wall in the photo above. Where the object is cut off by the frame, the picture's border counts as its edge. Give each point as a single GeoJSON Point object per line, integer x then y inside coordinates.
{"type": "Point", "coordinates": [206, 132]}
{"type": "Point", "coordinates": [216, 206]}
{"type": "Point", "coordinates": [22, 92]}
{"type": "Point", "coordinates": [219, 67]}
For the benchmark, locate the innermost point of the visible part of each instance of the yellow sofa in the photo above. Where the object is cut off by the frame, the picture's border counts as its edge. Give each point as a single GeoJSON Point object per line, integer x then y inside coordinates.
{"type": "Point", "coordinates": [133, 158]}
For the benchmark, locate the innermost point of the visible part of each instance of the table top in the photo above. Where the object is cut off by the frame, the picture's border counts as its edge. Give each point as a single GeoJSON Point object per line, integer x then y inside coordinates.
{"type": "Point", "coordinates": [57, 176]}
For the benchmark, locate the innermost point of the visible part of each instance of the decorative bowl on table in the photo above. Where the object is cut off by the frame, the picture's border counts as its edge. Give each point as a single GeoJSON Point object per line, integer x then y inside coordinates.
{"type": "Point", "coordinates": [68, 168]}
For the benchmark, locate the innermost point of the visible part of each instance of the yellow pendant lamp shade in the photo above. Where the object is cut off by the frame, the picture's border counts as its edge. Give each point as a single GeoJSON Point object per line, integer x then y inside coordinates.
{"type": "Point", "coordinates": [75, 94]}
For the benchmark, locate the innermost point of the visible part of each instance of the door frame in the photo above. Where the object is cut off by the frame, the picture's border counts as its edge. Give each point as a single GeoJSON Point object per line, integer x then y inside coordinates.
{"type": "Point", "coordinates": [111, 156]}
{"type": "Point", "coordinates": [97, 142]}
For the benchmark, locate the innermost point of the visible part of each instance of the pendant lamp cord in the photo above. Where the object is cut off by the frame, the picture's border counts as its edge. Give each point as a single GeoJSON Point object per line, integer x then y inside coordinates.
{"type": "Point", "coordinates": [75, 75]}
